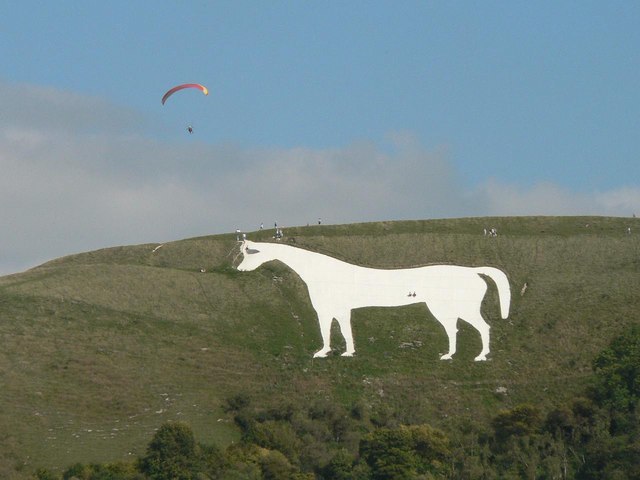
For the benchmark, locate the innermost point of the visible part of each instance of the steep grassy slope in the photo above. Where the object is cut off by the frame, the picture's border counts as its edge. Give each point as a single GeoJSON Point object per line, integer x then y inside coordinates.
{"type": "Point", "coordinates": [100, 348]}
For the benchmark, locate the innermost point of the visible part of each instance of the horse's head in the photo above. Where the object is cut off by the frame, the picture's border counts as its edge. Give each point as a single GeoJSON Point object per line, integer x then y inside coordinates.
{"type": "Point", "coordinates": [251, 257]}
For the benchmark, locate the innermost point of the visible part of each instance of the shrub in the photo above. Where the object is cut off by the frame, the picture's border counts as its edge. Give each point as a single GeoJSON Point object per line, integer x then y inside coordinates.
{"type": "Point", "coordinates": [172, 454]}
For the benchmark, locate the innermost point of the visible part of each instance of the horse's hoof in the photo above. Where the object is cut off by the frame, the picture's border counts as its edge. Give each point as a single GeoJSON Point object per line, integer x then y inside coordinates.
{"type": "Point", "coordinates": [320, 354]}
{"type": "Point", "coordinates": [347, 354]}
{"type": "Point", "coordinates": [480, 358]}
{"type": "Point", "coordinates": [446, 357]}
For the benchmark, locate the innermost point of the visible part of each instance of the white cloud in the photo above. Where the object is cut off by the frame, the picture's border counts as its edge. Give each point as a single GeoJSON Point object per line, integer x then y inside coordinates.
{"type": "Point", "coordinates": [551, 199]}
{"type": "Point", "coordinates": [80, 174]}
{"type": "Point", "coordinates": [625, 199]}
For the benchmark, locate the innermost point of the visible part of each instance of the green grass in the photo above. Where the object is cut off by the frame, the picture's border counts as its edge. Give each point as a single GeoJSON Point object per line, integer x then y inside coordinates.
{"type": "Point", "coordinates": [101, 348]}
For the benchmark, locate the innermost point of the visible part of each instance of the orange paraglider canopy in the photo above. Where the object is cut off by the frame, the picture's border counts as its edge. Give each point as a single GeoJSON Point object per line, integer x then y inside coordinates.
{"type": "Point", "coordinates": [202, 88]}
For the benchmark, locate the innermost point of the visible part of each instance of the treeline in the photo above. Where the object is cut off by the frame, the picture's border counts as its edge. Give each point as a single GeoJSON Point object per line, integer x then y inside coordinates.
{"type": "Point", "coordinates": [596, 436]}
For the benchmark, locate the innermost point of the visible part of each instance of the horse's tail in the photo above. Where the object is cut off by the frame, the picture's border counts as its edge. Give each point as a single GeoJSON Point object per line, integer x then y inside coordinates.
{"type": "Point", "coordinates": [504, 290]}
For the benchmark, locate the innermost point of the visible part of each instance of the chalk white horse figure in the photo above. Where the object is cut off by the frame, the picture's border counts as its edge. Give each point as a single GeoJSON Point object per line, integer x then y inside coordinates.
{"type": "Point", "coordinates": [336, 287]}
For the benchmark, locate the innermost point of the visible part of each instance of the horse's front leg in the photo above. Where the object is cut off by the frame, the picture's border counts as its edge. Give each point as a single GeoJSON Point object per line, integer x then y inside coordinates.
{"type": "Point", "coordinates": [325, 330]}
{"type": "Point", "coordinates": [451, 327]}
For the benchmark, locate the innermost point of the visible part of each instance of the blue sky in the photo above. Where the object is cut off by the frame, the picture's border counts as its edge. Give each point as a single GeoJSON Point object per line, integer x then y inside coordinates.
{"type": "Point", "coordinates": [350, 111]}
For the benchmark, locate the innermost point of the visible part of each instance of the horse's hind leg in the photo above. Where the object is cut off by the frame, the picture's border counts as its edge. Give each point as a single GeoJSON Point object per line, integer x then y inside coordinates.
{"type": "Point", "coordinates": [483, 328]}
{"type": "Point", "coordinates": [344, 320]}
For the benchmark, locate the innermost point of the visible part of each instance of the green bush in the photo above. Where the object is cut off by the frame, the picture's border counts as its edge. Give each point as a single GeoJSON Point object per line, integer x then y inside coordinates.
{"type": "Point", "coordinates": [617, 371]}
{"type": "Point", "coordinates": [519, 421]}
{"type": "Point", "coordinates": [405, 452]}
{"type": "Point", "coordinates": [172, 454]}
{"type": "Point", "coordinates": [44, 474]}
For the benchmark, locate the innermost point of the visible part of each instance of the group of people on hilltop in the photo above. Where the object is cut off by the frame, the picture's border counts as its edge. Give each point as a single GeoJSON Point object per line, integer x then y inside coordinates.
{"type": "Point", "coordinates": [278, 235]}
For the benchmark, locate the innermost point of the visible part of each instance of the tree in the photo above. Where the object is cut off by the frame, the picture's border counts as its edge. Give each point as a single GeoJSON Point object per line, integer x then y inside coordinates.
{"type": "Point", "coordinates": [431, 447]}
{"type": "Point", "coordinates": [172, 454]}
{"type": "Point", "coordinates": [389, 454]}
{"type": "Point", "coordinates": [275, 466]}
{"type": "Point", "coordinates": [212, 460]}
{"type": "Point", "coordinates": [340, 467]}
{"type": "Point", "coordinates": [617, 371]}
{"type": "Point", "coordinates": [519, 421]}
{"type": "Point", "coordinates": [406, 452]}
{"type": "Point", "coordinates": [77, 470]}
{"type": "Point", "coordinates": [44, 474]}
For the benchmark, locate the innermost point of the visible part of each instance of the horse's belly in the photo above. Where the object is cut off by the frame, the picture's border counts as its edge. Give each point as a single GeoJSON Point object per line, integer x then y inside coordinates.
{"type": "Point", "coordinates": [385, 297]}
{"type": "Point", "coordinates": [441, 288]}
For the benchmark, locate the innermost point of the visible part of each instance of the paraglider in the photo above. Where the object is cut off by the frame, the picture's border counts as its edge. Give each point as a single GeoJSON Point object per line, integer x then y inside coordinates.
{"type": "Point", "coordinates": [173, 90]}
{"type": "Point", "coordinates": [177, 88]}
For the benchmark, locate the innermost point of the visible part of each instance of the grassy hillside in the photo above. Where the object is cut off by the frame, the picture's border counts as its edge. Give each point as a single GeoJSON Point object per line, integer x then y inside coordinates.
{"type": "Point", "coordinates": [100, 348]}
